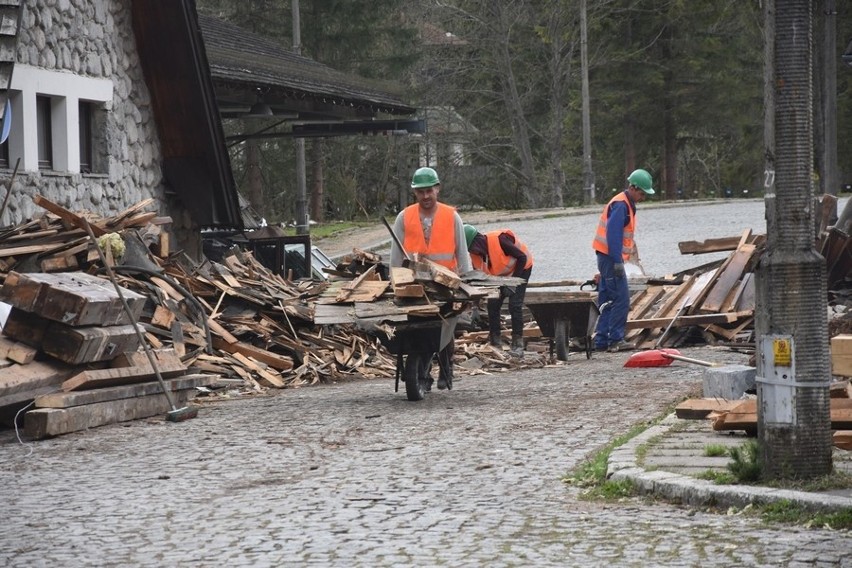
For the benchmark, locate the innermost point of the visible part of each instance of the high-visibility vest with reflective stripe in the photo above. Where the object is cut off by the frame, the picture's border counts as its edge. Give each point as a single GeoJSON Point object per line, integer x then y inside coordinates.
{"type": "Point", "coordinates": [498, 262]}
{"type": "Point", "coordinates": [442, 242]}
{"type": "Point", "coordinates": [628, 246]}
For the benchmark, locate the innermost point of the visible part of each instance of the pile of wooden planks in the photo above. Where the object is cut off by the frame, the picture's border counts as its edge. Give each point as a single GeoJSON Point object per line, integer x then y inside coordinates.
{"type": "Point", "coordinates": [78, 319]}
{"type": "Point", "coordinates": [718, 299]}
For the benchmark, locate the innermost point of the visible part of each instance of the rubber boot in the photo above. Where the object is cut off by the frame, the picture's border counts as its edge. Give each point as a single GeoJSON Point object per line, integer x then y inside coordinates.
{"type": "Point", "coordinates": [517, 349]}
{"type": "Point", "coordinates": [494, 339]}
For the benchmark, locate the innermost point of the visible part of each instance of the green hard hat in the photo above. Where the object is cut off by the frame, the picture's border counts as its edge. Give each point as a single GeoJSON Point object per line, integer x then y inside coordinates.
{"type": "Point", "coordinates": [424, 177]}
{"type": "Point", "coordinates": [469, 232]}
{"type": "Point", "coordinates": [642, 180]}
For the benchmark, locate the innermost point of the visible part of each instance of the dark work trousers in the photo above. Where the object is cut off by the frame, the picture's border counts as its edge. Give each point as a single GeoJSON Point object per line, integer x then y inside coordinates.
{"type": "Point", "coordinates": [516, 306]}
{"type": "Point", "coordinates": [445, 363]}
{"type": "Point", "coordinates": [612, 320]}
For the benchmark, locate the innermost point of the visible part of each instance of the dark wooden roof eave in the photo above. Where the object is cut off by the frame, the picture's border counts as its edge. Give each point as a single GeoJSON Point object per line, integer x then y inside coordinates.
{"type": "Point", "coordinates": [240, 59]}
{"type": "Point", "coordinates": [306, 103]}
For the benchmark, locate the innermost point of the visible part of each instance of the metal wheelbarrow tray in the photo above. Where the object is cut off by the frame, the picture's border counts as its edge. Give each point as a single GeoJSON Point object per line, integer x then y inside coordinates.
{"type": "Point", "coordinates": [414, 342]}
{"type": "Point", "coordinates": [562, 315]}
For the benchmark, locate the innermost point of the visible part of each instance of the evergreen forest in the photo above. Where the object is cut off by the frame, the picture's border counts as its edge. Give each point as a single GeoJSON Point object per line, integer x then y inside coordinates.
{"type": "Point", "coordinates": [674, 86]}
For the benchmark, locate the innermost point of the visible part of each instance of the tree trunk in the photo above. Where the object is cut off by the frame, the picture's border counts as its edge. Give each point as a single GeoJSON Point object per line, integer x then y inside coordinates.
{"type": "Point", "coordinates": [254, 175]}
{"type": "Point", "coordinates": [318, 181]}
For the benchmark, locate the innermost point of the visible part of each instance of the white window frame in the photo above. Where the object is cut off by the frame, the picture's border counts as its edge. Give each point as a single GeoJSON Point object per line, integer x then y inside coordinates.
{"type": "Point", "coordinates": [65, 90]}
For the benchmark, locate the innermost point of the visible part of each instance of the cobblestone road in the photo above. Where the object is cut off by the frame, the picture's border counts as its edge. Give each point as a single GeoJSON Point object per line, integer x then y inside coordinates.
{"type": "Point", "coordinates": [355, 475]}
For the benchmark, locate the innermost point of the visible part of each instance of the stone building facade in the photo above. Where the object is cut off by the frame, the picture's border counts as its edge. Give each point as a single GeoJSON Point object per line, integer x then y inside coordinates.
{"type": "Point", "coordinates": [82, 124]}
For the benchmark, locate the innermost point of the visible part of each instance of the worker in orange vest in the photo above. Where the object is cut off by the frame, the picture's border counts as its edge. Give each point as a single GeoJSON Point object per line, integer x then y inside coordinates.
{"type": "Point", "coordinates": [614, 244]}
{"type": "Point", "coordinates": [432, 230]}
{"type": "Point", "coordinates": [501, 253]}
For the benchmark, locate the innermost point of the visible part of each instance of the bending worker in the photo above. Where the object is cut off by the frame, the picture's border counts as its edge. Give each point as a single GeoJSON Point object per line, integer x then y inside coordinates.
{"type": "Point", "coordinates": [614, 246]}
{"type": "Point", "coordinates": [432, 230]}
{"type": "Point", "coordinates": [500, 253]}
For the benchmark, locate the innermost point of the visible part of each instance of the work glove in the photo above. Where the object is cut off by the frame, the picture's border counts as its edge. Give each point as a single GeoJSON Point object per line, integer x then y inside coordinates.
{"type": "Point", "coordinates": [618, 270]}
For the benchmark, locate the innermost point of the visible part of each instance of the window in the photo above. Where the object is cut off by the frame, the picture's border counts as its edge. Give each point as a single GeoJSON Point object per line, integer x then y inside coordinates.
{"type": "Point", "coordinates": [62, 119]}
{"type": "Point", "coordinates": [86, 115]}
{"type": "Point", "coordinates": [45, 133]}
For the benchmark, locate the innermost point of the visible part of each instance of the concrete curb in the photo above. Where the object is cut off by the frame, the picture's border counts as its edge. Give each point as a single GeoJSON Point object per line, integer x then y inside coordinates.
{"type": "Point", "coordinates": [623, 465]}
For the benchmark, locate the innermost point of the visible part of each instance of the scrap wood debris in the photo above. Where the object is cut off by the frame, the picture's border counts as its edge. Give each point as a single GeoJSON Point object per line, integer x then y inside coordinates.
{"type": "Point", "coordinates": [253, 329]}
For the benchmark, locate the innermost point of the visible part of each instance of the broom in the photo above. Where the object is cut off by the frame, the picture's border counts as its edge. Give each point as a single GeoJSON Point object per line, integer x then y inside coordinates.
{"type": "Point", "coordinates": [175, 414]}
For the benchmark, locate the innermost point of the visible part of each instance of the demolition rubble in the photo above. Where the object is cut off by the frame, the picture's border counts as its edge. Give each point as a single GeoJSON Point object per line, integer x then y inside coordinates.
{"type": "Point", "coordinates": [70, 357]}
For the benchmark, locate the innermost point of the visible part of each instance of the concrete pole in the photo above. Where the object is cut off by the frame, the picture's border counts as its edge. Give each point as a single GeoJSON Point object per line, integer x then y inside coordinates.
{"type": "Point", "coordinates": [793, 364]}
{"type": "Point", "coordinates": [302, 227]}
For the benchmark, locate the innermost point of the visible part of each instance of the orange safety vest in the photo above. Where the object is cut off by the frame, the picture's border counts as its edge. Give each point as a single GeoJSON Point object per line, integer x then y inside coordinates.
{"type": "Point", "coordinates": [628, 245]}
{"type": "Point", "coordinates": [441, 247]}
{"type": "Point", "coordinates": [498, 262]}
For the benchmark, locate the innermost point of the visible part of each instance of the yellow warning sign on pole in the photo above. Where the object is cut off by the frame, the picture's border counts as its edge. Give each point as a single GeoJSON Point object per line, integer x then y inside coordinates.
{"type": "Point", "coordinates": [782, 351]}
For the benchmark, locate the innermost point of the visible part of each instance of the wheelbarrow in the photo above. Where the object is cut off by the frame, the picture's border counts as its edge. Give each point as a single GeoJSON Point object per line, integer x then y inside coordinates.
{"type": "Point", "coordinates": [414, 343]}
{"type": "Point", "coordinates": [562, 316]}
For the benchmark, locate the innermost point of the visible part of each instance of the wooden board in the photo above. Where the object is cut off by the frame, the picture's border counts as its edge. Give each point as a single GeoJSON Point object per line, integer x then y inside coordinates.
{"type": "Point", "coordinates": [727, 279]}
{"type": "Point", "coordinates": [744, 415]}
{"type": "Point", "coordinates": [708, 245]}
{"type": "Point", "coordinates": [19, 381]}
{"type": "Point", "coordinates": [841, 355]}
{"type": "Point", "coordinates": [121, 376]}
{"type": "Point", "coordinates": [274, 360]}
{"type": "Point", "coordinates": [843, 439]}
{"type": "Point", "coordinates": [329, 314]}
{"type": "Point", "coordinates": [46, 422]}
{"type": "Point", "coordinates": [698, 408]}
{"type": "Point", "coordinates": [67, 216]}
{"type": "Point", "coordinates": [16, 351]}
{"type": "Point", "coordinates": [72, 298]}
{"type": "Point", "coordinates": [79, 398]}
{"type": "Point", "coordinates": [685, 321]}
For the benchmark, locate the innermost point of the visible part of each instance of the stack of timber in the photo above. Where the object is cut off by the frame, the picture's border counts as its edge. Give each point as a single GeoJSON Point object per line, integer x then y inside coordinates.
{"type": "Point", "coordinates": [717, 299]}
{"type": "Point", "coordinates": [78, 319]}
{"type": "Point", "coordinates": [741, 415]}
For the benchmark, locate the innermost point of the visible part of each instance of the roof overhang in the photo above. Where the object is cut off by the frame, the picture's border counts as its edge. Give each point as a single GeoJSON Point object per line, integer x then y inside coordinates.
{"type": "Point", "coordinates": [303, 95]}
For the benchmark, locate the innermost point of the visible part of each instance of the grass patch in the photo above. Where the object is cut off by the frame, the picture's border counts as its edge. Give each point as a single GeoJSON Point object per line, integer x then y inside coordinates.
{"type": "Point", "coordinates": [715, 450]}
{"type": "Point", "coordinates": [836, 480]}
{"type": "Point", "coordinates": [788, 512]}
{"type": "Point", "coordinates": [717, 477]}
{"type": "Point", "coordinates": [745, 462]}
{"type": "Point", "coordinates": [324, 230]}
{"type": "Point", "coordinates": [591, 475]}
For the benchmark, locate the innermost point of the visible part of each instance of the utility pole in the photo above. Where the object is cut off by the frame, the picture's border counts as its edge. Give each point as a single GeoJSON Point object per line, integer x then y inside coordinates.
{"type": "Point", "coordinates": [791, 324]}
{"type": "Point", "coordinates": [302, 227]}
{"type": "Point", "coordinates": [588, 173]}
{"type": "Point", "coordinates": [829, 100]}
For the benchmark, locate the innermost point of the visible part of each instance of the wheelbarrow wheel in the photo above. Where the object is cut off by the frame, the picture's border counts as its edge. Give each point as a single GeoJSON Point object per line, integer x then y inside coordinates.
{"type": "Point", "coordinates": [560, 337]}
{"type": "Point", "coordinates": [414, 387]}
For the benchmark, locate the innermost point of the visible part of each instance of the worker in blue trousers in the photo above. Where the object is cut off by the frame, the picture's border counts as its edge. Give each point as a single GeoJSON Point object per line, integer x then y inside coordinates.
{"type": "Point", "coordinates": [614, 245]}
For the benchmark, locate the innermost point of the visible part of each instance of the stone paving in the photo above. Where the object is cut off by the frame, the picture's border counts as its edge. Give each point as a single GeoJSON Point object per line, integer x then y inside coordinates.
{"type": "Point", "coordinates": [352, 474]}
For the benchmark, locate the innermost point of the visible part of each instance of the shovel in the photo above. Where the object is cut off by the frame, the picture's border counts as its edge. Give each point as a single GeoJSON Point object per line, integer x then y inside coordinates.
{"type": "Point", "coordinates": [662, 358]}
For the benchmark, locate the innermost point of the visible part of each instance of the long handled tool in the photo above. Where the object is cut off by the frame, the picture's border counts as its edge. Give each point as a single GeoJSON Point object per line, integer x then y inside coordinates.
{"type": "Point", "coordinates": [175, 414]}
{"type": "Point", "coordinates": [396, 239]}
{"type": "Point", "coordinates": [679, 313]}
{"type": "Point", "coordinates": [662, 358]}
